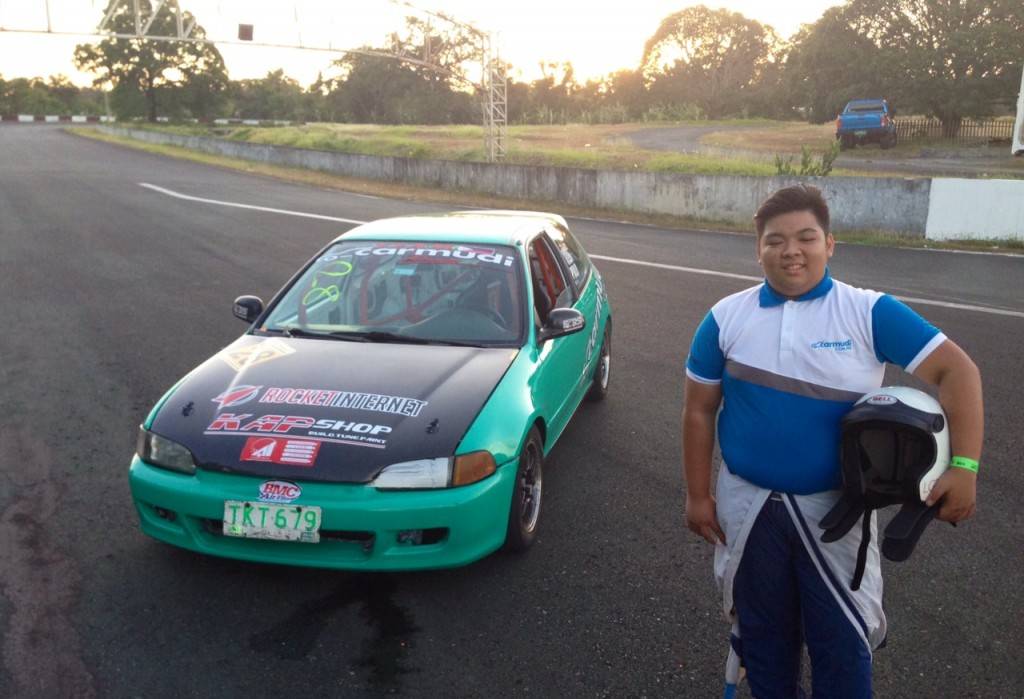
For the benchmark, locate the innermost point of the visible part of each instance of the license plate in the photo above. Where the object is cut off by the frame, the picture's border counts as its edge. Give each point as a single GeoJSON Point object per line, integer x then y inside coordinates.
{"type": "Point", "coordinates": [860, 133]}
{"type": "Point", "coordinates": [266, 520]}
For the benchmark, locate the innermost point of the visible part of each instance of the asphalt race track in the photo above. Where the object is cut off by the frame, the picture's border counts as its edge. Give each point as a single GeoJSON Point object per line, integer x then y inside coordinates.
{"type": "Point", "coordinates": [109, 292]}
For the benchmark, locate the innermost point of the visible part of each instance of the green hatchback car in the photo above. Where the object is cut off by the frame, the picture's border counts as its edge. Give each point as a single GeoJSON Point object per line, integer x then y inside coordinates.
{"type": "Point", "coordinates": [391, 407]}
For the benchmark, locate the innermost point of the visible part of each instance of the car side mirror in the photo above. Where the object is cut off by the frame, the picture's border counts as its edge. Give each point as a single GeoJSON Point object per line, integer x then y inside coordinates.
{"type": "Point", "coordinates": [561, 321]}
{"type": "Point", "coordinates": [248, 308]}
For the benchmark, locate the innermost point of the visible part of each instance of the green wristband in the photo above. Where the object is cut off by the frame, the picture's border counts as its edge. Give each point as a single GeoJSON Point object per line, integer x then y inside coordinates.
{"type": "Point", "coordinates": [965, 463]}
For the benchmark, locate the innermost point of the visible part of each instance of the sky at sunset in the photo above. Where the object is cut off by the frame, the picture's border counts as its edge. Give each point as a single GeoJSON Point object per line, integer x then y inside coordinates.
{"type": "Point", "coordinates": [598, 38]}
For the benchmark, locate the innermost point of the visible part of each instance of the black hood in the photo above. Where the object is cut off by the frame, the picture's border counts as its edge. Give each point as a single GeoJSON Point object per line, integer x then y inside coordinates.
{"type": "Point", "coordinates": [326, 410]}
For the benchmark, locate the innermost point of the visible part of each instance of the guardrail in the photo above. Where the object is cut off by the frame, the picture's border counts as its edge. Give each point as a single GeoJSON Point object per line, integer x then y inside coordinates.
{"type": "Point", "coordinates": [56, 119]}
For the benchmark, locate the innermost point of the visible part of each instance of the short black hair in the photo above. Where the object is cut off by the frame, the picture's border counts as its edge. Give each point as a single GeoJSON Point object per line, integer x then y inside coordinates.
{"type": "Point", "coordinates": [801, 197]}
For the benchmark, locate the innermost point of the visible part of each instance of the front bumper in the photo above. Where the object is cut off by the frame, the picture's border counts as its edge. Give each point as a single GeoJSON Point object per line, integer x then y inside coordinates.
{"type": "Point", "coordinates": [360, 529]}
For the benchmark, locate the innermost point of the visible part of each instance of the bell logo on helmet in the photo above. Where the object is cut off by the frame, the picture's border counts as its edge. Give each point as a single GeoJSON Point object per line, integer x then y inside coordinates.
{"type": "Point", "coordinates": [882, 399]}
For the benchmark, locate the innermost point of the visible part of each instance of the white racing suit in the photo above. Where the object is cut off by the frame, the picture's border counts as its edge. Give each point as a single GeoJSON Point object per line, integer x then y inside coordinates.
{"type": "Point", "coordinates": [738, 504]}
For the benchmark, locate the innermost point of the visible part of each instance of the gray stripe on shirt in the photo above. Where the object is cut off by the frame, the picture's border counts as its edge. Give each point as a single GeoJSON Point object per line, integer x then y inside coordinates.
{"type": "Point", "coordinates": [789, 385]}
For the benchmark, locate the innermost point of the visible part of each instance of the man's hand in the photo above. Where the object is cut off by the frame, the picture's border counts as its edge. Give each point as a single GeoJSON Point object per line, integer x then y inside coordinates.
{"type": "Point", "coordinates": [702, 519]}
{"type": "Point", "coordinates": [956, 491]}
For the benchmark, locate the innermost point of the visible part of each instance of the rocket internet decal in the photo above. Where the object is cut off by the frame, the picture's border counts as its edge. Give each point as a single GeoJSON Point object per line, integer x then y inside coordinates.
{"type": "Point", "coordinates": [396, 405]}
{"type": "Point", "coordinates": [239, 358]}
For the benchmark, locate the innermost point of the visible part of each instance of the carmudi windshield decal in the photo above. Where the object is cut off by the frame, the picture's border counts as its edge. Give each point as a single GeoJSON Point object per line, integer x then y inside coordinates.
{"type": "Point", "coordinates": [425, 253]}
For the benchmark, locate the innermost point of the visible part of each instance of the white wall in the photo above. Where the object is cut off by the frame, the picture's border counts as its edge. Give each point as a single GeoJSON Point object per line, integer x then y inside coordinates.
{"type": "Point", "coordinates": [959, 208]}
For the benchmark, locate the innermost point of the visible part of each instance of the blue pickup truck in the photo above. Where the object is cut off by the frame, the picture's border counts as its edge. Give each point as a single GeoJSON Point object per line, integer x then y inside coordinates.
{"type": "Point", "coordinates": [866, 121]}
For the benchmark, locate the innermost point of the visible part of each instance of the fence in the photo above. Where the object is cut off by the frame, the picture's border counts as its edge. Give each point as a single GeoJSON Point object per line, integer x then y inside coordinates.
{"type": "Point", "coordinates": [970, 130]}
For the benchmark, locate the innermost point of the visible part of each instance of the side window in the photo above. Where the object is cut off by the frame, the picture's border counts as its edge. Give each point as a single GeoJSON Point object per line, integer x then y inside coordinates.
{"type": "Point", "coordinates": [549, 286]}
{"type": "Point", "coordinates": [572, 255]}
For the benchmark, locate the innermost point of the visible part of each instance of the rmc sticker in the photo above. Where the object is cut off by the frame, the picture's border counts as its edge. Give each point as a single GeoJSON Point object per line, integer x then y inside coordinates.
{"type": "Point", "coordinates": [279, 491]}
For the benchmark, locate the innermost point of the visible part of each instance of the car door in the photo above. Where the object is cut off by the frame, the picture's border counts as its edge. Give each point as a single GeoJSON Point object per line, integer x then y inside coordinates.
{"type": "Point", "coordinates": [590, 299]}
{"type": "Point", "coordinates": [559, 361]}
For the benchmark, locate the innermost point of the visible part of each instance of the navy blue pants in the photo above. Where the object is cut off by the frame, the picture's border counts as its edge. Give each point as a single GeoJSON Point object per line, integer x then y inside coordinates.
{"type": "Point", "coordinates": [782, 603]}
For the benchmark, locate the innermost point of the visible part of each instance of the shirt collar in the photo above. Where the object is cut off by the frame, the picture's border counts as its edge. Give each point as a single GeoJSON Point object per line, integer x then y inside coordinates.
{"type": "Point", "coordinates": [770, 297]}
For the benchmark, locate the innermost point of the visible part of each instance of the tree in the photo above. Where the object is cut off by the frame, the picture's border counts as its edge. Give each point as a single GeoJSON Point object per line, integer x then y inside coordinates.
{"type": "Point", "coordinates": [828, 64]}
{"type": "Point", "coordinates": [383, 89]}
{"type": "Point", "coordinates": [28, 96]}
{"type": "Point", "coordinates": [950, 58]}
{"type": "Point", "coordinates": [712, 58]}
{"type": "Point", "coordinates": [276, 96]}
{"type": "Point", "coordinates": [148, 66]}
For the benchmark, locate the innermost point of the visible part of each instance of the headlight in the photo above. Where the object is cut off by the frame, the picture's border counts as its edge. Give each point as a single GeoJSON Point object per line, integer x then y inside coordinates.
{"type": "Point", "coordinates": [162, 452]}
{"type": "Point", "coordinates": [436, 473]}
{"type": "Point", "coordinates": [422, 473]}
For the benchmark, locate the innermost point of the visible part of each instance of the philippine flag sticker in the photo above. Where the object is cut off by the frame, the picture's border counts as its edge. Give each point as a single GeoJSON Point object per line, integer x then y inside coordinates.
{"type": "Point", "coordinates": [277, 450]}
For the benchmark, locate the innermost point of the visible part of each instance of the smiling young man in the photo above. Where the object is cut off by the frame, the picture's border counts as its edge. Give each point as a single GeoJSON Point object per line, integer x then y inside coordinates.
{"type": "Point", "coordinates": [785, 360]}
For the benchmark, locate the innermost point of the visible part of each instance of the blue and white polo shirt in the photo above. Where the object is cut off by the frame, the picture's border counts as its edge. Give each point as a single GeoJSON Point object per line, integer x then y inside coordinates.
{"type": "Point", "coordinates": [790, 369]}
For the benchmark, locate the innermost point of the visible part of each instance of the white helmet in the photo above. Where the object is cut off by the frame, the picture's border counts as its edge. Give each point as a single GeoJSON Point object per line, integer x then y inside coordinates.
{"type": "Point", "coordinates": [894, 446]}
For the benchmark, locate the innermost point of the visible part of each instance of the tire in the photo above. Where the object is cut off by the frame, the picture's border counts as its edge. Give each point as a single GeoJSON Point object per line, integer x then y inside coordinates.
{"type": "Point", "coordinates": [524, 510]}
{"type": "Point", "coordinates": [602, 372]}
{"type": "Point", "coordinates": [888, 142]}
{"type": "Point", "coordinates": [845, 143]}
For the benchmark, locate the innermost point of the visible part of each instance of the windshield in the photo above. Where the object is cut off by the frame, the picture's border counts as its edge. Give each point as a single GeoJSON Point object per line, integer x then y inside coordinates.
{"type": "Point", "coordinates": [392, 291]}
{"type": "Point", "coordinates": [864, 107]}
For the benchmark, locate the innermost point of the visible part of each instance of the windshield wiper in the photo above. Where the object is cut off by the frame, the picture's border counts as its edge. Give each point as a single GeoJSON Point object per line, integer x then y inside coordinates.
{"type": "Point", "coordinates": [386, 336]}
{"type": "Point", "coordinates": [302, 332]}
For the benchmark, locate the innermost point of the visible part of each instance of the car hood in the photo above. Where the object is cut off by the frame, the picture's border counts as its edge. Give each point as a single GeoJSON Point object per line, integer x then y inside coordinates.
{"type": "Point", "coordinates": [326, 410]}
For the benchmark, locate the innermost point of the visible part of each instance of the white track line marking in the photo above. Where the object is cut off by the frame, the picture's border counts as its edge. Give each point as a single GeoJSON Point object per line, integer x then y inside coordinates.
{"type": "Point", "coordinates": [658, 265]}
{"type": "Point", "coordinates": [676, 268]}
{"type": "Point", "coordinates": [745, 277]}
{"type": "Point", "coordinates": [235, 205]}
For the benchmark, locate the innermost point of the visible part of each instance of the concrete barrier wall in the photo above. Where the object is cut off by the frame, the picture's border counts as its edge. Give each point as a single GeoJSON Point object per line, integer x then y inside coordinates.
{"type": "Point", "coordinates": [888, 204]}
{"type": "Point", "coordinates": [961, 208]}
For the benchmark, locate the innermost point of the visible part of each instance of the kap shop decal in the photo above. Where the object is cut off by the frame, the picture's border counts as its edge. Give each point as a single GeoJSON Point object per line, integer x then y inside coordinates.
{"type": "Point", "coordinates": [292, 452]}
{"type": "Point", "coordinates": [250, 355]}
{"type": "Point", "coordinates": [361, 434]}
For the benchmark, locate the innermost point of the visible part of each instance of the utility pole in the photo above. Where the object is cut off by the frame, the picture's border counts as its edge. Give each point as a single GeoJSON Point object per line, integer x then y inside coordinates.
{"type": "Point", "coordinates": [1018, 127]}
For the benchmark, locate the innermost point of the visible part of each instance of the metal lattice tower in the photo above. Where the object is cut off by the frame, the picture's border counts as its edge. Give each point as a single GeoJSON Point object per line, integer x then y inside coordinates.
{"type": "Point", "coordinates": [495, 105]}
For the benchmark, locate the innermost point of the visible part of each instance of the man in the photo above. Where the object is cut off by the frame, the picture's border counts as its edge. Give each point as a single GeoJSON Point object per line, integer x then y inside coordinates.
{"type": "Point", "coordinates": [789, 357]}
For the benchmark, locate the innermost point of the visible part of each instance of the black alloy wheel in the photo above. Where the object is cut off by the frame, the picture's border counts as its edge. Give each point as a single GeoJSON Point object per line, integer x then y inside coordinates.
{"type": "Point", "coordinates": [524, 512]}
{"type": "Point", "coordinates": [602, 372]}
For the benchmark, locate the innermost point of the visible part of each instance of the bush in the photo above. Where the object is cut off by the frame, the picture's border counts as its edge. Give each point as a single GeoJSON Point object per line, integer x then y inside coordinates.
{"type": "Point", "coordinates": [808, 167]}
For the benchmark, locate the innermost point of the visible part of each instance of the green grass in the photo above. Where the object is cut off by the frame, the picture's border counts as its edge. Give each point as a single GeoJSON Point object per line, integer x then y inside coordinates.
{"type": "Point", "coordinates": [888, 239]}
{"type": "Point", "coordinates": [696, 163]}
{"type": "Point", "coordinates": [549, 146]}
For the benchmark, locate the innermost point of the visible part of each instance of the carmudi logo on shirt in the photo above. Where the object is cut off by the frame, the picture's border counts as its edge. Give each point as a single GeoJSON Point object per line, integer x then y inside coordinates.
{"type": "Point", "coordinates": [834, 345]}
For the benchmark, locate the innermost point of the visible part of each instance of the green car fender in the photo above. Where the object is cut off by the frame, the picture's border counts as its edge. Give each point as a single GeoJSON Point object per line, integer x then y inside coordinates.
{"type": "Point", "coordinates": [508, 415]}
{"type": "Point", "coordinates": [148, 422]}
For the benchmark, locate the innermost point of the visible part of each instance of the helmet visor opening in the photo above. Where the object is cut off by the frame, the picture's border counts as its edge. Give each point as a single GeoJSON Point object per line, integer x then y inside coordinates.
{"type": "Point", "coordinates": [893, 458]}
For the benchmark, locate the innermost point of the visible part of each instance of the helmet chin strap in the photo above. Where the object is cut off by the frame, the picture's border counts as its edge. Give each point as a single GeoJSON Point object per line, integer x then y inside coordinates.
{"type": "Point", "coordinates": [900, 537]}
